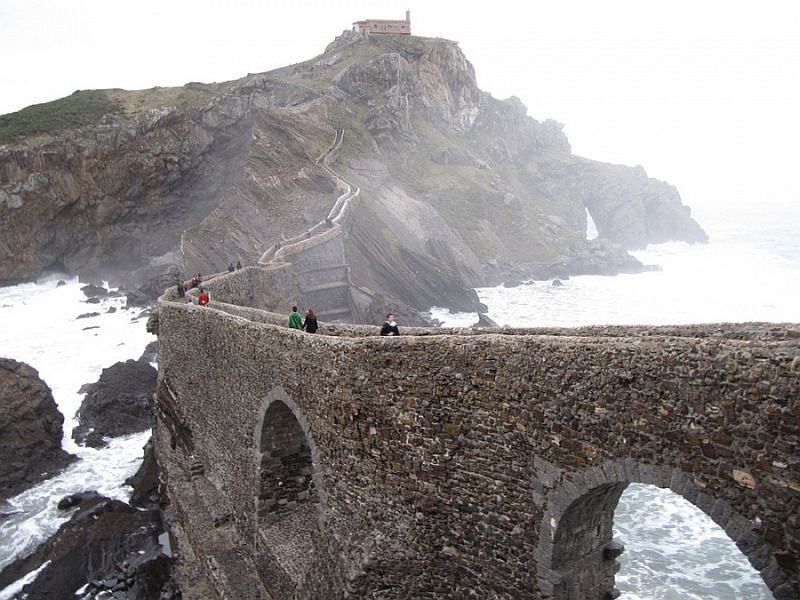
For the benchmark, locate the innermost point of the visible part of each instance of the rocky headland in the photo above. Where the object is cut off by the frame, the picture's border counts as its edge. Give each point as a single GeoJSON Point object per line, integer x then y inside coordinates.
{"type": "Point", "coordinates": [30, 430]}
{"type": "Point", "coordinates": [458, 189]}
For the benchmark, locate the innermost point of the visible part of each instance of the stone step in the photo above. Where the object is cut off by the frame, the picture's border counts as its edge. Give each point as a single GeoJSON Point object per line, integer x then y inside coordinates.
{"type": "Point", "coordinates": [196, 470]}
{"type": "Point", "coordinates": [341, 267]}
{"type": "Point", "coordinates": [335, 313]}
{"type": "Point", "coordinates": [325, 287]}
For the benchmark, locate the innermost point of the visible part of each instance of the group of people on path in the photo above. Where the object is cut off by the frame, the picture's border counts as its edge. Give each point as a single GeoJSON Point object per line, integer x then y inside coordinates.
{"type": "Point", "coordinates": [309, 324]}
{"type": "Point", "coordinates": [203, 297]}
{"type": "Point", "coordinates": [296, 321]}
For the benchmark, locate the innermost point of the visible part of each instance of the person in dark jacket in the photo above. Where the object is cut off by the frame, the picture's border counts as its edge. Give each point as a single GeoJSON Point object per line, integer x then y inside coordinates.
{"type": "Point", "coordinates": [390, 326]}
{"type": "Point", "coordinates": [310, 324]}
{"type": "Point", "coordinates": [181, 289]}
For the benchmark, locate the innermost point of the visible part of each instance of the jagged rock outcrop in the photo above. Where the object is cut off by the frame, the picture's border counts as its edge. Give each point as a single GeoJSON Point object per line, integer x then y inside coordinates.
{"type": "Point", "coordinates": [120, 402]}
{"type": "Point", "coordinates": [191, 179]}
{"type": "Point", "coordinates": [30, 429]}
{"type": "Point", "coordinates": [106, 545]}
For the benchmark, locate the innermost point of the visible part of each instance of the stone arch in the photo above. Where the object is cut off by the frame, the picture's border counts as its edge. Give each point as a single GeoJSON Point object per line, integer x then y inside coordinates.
{"type": "Point", "coordinates": [290, 495]}
{"type": "Point", "coordinates": [576, 553]}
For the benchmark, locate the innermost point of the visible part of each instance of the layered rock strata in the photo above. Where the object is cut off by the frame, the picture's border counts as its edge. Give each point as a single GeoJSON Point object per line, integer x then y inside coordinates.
{"type": "Point", "coordinates": [30, 429]}
{"type": "Point", "coordinates": [457, 188]}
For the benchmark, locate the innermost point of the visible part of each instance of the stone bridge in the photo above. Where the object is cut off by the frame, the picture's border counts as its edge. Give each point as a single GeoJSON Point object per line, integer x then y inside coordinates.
{"type": "Point", "coordinates": [460, 462]}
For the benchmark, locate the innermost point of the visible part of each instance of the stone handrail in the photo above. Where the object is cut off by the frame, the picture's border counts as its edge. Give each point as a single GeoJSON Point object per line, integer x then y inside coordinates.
{"type": "Point", "coordinates": [750, 334]}
{"type": "Point", "coordinates": [334, 218]}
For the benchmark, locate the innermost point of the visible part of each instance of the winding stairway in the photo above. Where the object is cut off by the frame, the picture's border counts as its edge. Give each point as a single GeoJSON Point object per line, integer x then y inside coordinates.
{"type": "Point", "coordinates": [317, 254]}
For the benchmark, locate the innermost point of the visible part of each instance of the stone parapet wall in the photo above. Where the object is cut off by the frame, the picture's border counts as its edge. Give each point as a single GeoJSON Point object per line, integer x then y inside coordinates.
{"type": "Point", "coordinates": [453, 463]}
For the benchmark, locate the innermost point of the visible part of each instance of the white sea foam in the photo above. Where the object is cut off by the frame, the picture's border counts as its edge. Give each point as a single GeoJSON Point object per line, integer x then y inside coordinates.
{"type": "Point", "coordinates": [8, 592]}
{"type": "Point", "coordinates": [672, 550]}
{"type": "Point", "coordinates": [39, 326]}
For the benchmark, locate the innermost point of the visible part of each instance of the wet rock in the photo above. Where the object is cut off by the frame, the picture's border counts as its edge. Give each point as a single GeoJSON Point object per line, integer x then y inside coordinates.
{"type": "Point", "coordinates": [30, 429]}
{"type": "Point", "coordinates": [120, 402]}
{"type": "Point", "coordinates": [93, 291]}
{"type": "Point", "coordinates": [61, 282]}
{"type": "Point", "coordinates": [557, 283]}
{"type": "Point", "coordinates": [145, 482]}
{"type": "Point", "coordinates": [602, 257]}
{"type": "Point", "coordinates": [79, 499]}
{"type": "Point", "coordinates": [137, 298]}
{"type": "Point", "coordinates": [88, 315]}
{"type": "Point", "coordinates": [154, 281]}
{"type": "Point", "coordinates": [92, 300]}
{"type": "Point", "coordinates": [107, 543]}
{"type": "Point", "coordinates": [150, 353]}
{"type": "Point", "coordinates": [485, 321]}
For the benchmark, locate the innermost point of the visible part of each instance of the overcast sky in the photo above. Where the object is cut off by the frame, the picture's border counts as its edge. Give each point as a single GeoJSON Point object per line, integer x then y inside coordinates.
{"type": "Point", "coordinates": [703, 93]}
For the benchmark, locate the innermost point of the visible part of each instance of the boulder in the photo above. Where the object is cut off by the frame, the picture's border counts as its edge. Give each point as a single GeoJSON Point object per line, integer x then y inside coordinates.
{"type": "Point", "coordinates": [78, 499]}
{"type": "Point", "coordinates": [30, 429]}
{"type": "Point", "coordinates": [119, 403]}
{"type": "Point", "coordinates": [93, 291]}
{"type": "Point", "coordinates": [603, 257]}
{"type": "Point", "coordinates": [106, 544]}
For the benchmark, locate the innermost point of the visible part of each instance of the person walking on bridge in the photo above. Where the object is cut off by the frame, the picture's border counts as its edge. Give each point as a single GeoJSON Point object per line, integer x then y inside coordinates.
{"type": "Point", "coordinates": [310, 324]}
{"type": "Point", "coordinates": [390, 326]}
{"type": "Point", "coordinates": [295, 320]}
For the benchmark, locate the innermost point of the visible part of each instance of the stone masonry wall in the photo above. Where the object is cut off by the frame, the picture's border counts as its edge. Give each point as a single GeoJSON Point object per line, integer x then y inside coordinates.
{"type": "Point", "coordinates": [454, 463]}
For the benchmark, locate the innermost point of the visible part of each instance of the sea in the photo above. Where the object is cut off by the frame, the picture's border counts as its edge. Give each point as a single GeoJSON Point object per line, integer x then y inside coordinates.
{"type": "Point", "coordinates": [750, 271]}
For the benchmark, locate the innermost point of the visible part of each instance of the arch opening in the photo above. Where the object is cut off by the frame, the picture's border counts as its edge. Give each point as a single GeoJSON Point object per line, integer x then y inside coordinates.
{"type": "Point", "coordinates": [579, 545]}
{"type": "Point", "coordinates": [673, 547]}
{"type": "Point", "coordinates": [288, 500]}
{"type": "Point", "coordinates": [582, 551]}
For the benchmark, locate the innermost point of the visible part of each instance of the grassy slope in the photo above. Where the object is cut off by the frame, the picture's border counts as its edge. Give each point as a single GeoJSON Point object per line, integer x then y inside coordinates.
{"type": "Point", "coordinates": [87, 107]}
{"type": "Point", "coordinates": [79, 109]}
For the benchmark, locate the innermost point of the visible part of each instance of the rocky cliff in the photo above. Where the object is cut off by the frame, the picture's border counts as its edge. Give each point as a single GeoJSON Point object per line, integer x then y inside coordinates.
{"type": "Point", "coordinates": [457, 188]}
{"type": "Point", "coordinates": [30, 429]}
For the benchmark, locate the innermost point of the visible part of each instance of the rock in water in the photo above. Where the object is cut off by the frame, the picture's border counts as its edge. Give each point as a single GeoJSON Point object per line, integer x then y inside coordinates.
{"type": "Point", "coordinates": [30, 429]}
{"type": "Point", "coordinates": [119, 403]}
{"type": "Point", "coordinates": [107, 544]}
{"type": "Point", "coordinates": [485, 320]}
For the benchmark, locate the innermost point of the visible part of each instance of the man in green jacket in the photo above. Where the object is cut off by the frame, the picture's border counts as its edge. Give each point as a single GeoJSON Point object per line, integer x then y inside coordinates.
{"type": "Point", "coordinates": [295, 320]}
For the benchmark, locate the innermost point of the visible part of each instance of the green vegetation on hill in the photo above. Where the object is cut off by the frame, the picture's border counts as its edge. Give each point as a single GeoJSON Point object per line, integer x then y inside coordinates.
{"type": "Point", "coordinates": [87, 107]}
{"type": "Point", "coordinates": [80, 108]}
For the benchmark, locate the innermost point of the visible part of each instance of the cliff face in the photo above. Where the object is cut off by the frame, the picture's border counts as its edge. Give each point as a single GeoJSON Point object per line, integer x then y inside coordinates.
{"type": "Point", "coordinates": [30, 429]}
{"type": "Point", "coordinates": [456, 187]}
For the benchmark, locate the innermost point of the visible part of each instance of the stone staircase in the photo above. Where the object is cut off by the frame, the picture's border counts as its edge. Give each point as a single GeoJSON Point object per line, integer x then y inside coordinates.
{"type": "Point", "coordinates": [318, 256]}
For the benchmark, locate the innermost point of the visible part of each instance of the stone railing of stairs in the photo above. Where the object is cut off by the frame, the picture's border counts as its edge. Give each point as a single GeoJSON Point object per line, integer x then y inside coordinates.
{"type": "Point", "coordinates": [318, 257]}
